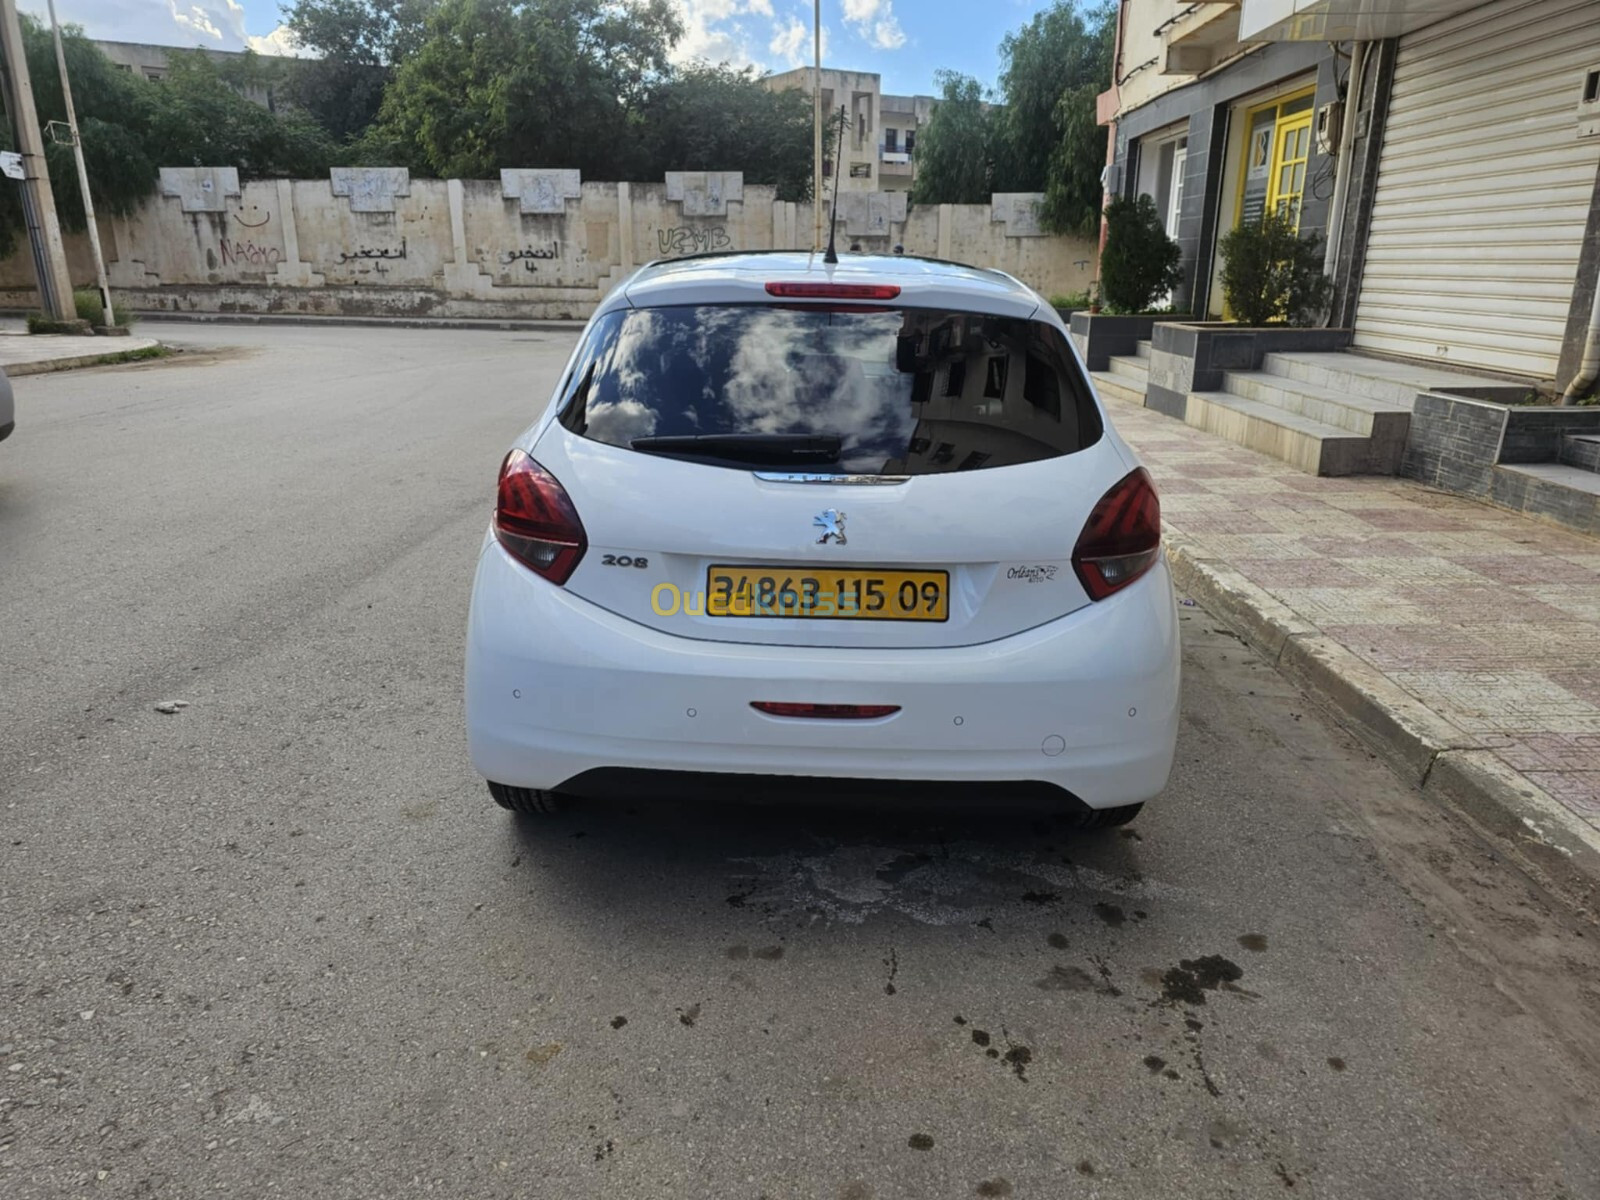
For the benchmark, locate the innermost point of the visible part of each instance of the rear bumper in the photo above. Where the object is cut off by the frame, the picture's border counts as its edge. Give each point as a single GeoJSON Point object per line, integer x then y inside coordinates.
{"type": "Point", "coordinates": [557, 687]}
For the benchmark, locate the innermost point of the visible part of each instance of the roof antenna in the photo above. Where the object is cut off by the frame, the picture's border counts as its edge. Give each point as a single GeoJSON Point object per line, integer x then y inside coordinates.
{"type": "Point", "coordinates": [832, 256]}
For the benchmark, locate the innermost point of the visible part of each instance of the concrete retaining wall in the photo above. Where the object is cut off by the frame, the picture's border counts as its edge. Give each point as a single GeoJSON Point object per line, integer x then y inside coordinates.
{"type": "Point", "coordinates": [536, 243]}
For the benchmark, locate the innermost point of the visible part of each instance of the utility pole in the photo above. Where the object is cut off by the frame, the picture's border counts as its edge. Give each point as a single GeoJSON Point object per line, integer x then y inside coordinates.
{"type": "Point", "coordinates": [83, 173]}
{"type": "Point", "coordinates": [816, 130]}
{"type": "Point", "coordinates": [38, 201]}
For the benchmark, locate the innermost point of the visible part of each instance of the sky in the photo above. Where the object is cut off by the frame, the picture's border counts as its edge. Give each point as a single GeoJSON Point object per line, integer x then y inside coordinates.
{"type": "Point", "coordinates": [905, 41]}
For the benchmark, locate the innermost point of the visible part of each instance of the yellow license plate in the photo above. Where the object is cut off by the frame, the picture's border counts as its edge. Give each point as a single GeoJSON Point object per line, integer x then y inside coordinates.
{"type": "Point", "coordinates": [827, 595]}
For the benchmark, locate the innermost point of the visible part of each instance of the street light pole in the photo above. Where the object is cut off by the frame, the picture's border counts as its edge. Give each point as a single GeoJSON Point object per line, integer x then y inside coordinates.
{"type": "Point", "coordinates": [83, 172]}
{"type": "Point", "coordinates": [38, 201]}
{"type": "Point", "coordinates": [816, 131]}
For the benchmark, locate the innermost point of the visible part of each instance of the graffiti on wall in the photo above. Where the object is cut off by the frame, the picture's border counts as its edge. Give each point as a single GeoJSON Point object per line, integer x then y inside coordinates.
{"type": "Point", "coordinates": [685, 239]}
{"type": "Point", "coordinates": [234, 253]}
{"type": "Point", "coordinates": [368, 252]}
{"type": "Point", "coordinates": [531, 256]}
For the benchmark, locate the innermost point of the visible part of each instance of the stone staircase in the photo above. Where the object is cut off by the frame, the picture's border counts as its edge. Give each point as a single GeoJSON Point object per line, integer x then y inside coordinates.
{"type": "Point", "coordinates": [1127, 376]}
{"type": "Point", "coordinates": [1567, 489]}
{"type": "Point", "coordinates": [1326, 413]}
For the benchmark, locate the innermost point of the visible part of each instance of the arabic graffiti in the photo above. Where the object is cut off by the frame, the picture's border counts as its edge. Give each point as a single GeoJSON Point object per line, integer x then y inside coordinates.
{"type": "Point", "coordinates": [248, 254]}
{"type": "Point", "coordinates": [685, 239]}
{"type": "Point", "coordinates": [528, 256]}
{"type": "Point", "coordinates": [348, 256]}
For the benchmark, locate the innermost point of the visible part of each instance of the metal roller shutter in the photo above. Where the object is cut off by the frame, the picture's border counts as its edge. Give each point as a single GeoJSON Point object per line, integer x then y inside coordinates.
{"type": "Point", "coordinates": [1483, 189]}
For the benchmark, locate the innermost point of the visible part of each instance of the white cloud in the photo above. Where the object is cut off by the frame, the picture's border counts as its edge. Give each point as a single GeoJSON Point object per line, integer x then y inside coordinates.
{"type": "Point", "coordinates": [281, 42]}
{"type": "Point", "coordinates": [875, 23]}
{"type": "Point", "coordinates": [887, 34]}
{"type": "Point", "coordinates": [789, 41]}
{"type": "Point", "coordinates": [712, 32]}
{"type": "Point", "coordinates": [215, 24]}
{"type": "Point", "coordinates": [194, 21]}
{"type": "Point", "coordinates": [792, 42]}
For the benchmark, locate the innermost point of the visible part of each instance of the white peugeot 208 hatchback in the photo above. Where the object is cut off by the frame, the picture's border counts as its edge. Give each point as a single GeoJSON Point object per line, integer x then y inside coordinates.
{"type": "Point", "coordinates": [792, 524]}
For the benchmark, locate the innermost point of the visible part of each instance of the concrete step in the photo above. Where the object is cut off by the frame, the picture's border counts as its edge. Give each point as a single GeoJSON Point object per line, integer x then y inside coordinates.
{"type": "Point", "coordinates": [1569, 496]}
{"type": "Point", "coordinates": [1358, 414]}
{"type": "Point", "coordinates": [1142, 350]}
{"type": "Point", "coordinates": [1118, 388]}
{"type": "Point", "coordinates": [1300, 441]}
{"type": "Point", "coordinates": [1377, 379]}
{"type": "Point", "coordinates": [1576, 478]}
{"type": "Point", "coordinates": [1581, 450]}
{"type": "Point", "coordinates": [1135, 370]}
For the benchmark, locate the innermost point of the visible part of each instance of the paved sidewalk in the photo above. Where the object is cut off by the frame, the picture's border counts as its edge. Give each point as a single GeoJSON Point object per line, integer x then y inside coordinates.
{"type": "Point", "coordinates": [22, 353]}
{"type": "Point", "coordinates": [1480, 626]}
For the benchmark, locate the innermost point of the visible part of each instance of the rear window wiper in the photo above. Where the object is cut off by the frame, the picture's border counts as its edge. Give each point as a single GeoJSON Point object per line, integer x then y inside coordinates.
{"type": "Point", "coordinates": [767, 449]}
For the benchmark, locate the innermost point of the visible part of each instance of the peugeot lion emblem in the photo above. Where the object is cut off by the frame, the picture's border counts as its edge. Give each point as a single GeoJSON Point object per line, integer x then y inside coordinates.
{"type": "Point", "coordinates": [831, 522]}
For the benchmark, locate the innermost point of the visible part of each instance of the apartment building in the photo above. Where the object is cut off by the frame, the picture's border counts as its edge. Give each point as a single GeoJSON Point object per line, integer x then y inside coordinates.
{"type": "Point", "coordinates": [880, 137]}
{"type": "Point", "coordinates": [1449, 150]}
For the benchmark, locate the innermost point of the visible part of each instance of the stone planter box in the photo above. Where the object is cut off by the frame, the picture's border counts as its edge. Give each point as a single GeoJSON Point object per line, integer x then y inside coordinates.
{"type": "Point", "coordinates": [1191, 356]}
{"type": "Point", "coordinates": [1100, 337]}
{"type": "Point", "coordinates": [1474, 448]}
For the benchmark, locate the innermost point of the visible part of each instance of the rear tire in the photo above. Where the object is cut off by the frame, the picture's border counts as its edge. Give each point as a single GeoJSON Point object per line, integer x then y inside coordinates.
{"type": "Point", "coordinates": [1108, 818]}
{"type": "Point", "coordinates": [526, 800]}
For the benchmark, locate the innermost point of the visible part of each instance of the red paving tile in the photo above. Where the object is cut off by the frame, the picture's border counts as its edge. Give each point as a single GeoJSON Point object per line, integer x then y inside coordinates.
{"type": "Point", "coordinates": [1516, 569]}
{"type": "Point", "coordinates": [1411, 519]}
{"type": "Point", "coordinates": [1299, 572]}
{"type": "Point", "coordinates": [1438, 592]}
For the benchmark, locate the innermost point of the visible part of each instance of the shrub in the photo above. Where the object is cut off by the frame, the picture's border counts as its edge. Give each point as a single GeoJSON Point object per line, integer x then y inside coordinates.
{"type": "Point", "coordinates": [1141, 264]}
{"type": "Point", "coordinates": [92, 309]}
{"type": "Point", "coordinates": [1073, 300]}
{"type": "Point", "coordinates": [1271, 275]}
{"type": "Point", "coordinates": [39, 323]}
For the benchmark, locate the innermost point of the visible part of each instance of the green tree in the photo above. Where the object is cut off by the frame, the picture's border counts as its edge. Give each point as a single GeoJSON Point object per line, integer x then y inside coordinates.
{"type": "Point", "coordinates": [1272, 275]}
{"type": "Point", "coordinates": [131, 126]}
{"type": "Point", "coordinates": [1047, 138]}
{"type": "Point", "coordinates": [953, 152]}
{"type": "Point", "coordinates": [714, 118]}
{"type": "Point", "coordinates": [197, 119]}
{"type": "Point", "coordinates": [535, 83]}
{"type": "Point", "coordinates": [1141, 264]}
{"type": "Point", "coordinates": [375, 33]}
{"type": "Point", "coordinates": [356, 44]}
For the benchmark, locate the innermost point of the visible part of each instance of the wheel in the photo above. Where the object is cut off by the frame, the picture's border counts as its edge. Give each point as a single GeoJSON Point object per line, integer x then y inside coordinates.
{"type": "Point", "coordinates": [526, 800]}
{"type": "Point", "coordinates": [1108, 818]}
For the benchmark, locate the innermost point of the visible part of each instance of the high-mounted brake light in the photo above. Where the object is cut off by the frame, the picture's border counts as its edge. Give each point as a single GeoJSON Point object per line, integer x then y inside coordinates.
{"type": "Point", "coordinates": [535, 521]}
{"type": "Point", "coordinates": [834, 291]}
{"type": "Point", "coordinates": [825, 712]}
{"type": "Point", "coordinates": [1122, 539]}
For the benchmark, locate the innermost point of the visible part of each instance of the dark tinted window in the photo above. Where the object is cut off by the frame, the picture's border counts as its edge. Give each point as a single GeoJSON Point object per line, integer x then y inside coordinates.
{"type": "Point", "coordinates": [898, 392]}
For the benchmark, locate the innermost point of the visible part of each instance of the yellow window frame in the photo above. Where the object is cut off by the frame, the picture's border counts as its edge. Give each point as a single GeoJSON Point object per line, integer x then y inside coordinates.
{"type": "Point", "coordinates": [1290, 157]}
{"type": "Point", "coordinates": [1297, 124]}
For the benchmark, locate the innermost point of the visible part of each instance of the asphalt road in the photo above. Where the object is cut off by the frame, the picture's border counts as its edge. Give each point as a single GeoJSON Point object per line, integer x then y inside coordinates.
{"type": "Point", "coordinates": [281, 943]}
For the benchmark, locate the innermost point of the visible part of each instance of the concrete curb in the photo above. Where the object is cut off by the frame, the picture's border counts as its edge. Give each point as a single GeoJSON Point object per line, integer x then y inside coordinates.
{"type": "Point", "coordinates": [48, 365]}
{"type": "Point", "coordinates": [492, 324]}
{"type": "Point", "coordinates": [1451, 768]}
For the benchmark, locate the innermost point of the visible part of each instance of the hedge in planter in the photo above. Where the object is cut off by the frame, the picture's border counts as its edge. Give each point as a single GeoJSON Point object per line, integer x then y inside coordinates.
{"type": "Point", "coordinates": [1273, 276]}
{"type": "Point", "coordinates": [1141, 264]}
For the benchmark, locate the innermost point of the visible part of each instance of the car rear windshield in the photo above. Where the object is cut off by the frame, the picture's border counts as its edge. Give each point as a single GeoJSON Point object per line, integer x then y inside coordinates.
{"type": "Point", "coordinates": [910, 391]}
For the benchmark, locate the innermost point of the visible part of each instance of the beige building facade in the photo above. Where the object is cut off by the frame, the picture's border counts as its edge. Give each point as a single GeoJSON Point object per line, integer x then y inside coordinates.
{"type": "Point", "coordinates": [880, 136]}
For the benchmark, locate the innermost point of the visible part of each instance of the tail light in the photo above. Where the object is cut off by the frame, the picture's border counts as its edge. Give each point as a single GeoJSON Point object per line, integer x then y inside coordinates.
{"type": "Point", "coordinates": [1122, 539]}
{"type": "Point", "coordinates": [833, 291]}
{"type": "Point", "coordinates": [825, 712]}
{"type": "Point", "coordinates": [535, 521]}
